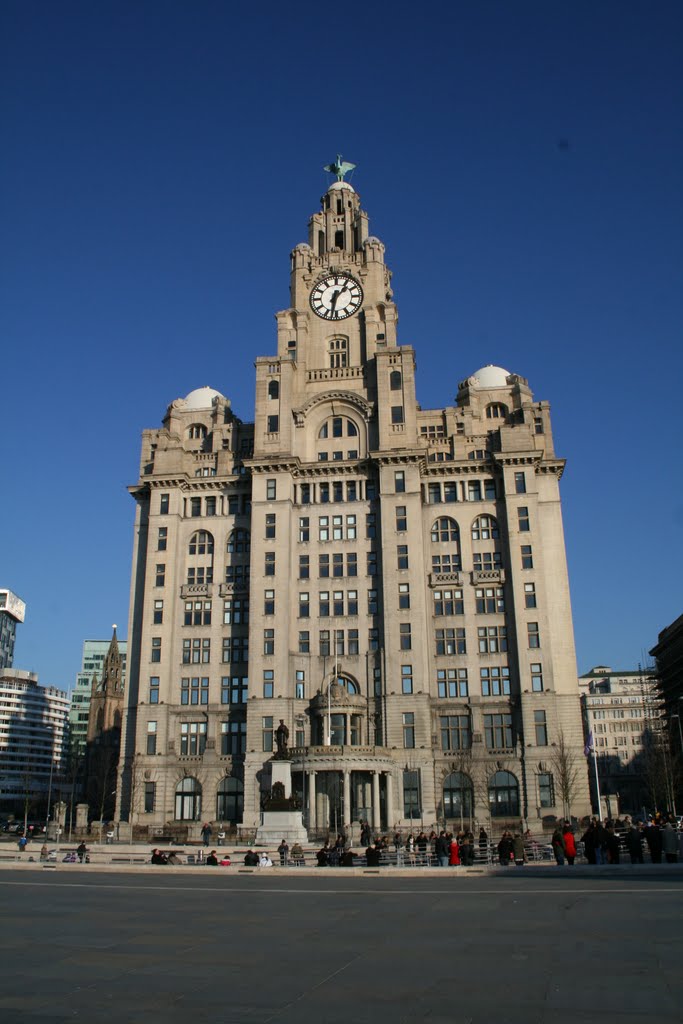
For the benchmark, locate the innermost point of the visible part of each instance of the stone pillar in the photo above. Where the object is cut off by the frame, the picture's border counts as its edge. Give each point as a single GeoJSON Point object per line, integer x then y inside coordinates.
{"type": "Point", "coordinates": [376, 821]}
{"type": "Point", "coordinates": [347, 797]}
{"type": "Point", "coordinates": [312, 815]}
{"type": "Point", "coordinates": [391, 815]}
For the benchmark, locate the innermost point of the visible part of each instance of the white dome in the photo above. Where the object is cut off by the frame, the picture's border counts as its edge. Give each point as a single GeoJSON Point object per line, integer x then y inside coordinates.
{"type": "Point", "coordinates": [201, 398]}
{"type": "Point", "coordinates": [491, 376]}
{"type": "Point", "coordinates": [340, 184]}
{"type": "Point", "coordinates": [372, 240]}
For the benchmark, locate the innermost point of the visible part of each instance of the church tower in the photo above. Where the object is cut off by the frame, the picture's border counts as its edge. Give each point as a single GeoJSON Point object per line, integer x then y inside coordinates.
{"type": "Point", "coordinates": [104, 734]}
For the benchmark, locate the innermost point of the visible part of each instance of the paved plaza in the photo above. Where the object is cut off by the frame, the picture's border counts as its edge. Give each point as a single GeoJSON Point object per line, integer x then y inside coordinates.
{"type": "Point", "coordinates": [512, 948]}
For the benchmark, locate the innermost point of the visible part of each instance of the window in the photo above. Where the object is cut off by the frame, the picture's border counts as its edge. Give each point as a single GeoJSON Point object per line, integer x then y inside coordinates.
{"type": "Point", "coordinates": [455, 732]}
{"type": "Point", "coordinates": [487, 561]}
{"type": "Point", "coordinates": [490, 490]}
{"type": "Point", "coordinates": [498, 732]}
{"type": "Point", "coordinates": [324, 493]}
{"type": "Point", "coordinates": [150, 793]}
{"type": "Point", "coordinates": [162, 538]}
{"type": "Point", "coordinates": [199, 575]}
{"type": "Point", "coordinates": [197, 613]}
{"type": "Point", "coordinates": [196, 651]}
{"type": "Point", "coordinates": [188, 800]}
{"type": "Point", "coordinates": [194, 690]}
{"type": "Point", "coordinates": [305, 494]}
{"type": "Point", "coordinates": [268, 683]}
{"type": "Point", "coordinates": [520, 483]}
{"type": "Point", "coordinates": [304, 567]}
{"type": "Point", "coordinates": [373, 639]}
{"type": "Point", "coordinates": [352, 602]}
{"type": "Point", "coordinates": [530, 595]}
{"type": "Point", "coordinates": [352, 564]}
{"type": "Point", "coordinates": [151, 737]}
{"type": "Point", "coordinates": [450, 493]}
{"type": "Point", "coordinates": [377, 682]}
{"type": "Point", "coordinates": [156, 648]}
{"type": "Point", "coordinates": [434, 493]}
{"type": "Point", "coordinates": [158, 613]}
{"type": "Point", "coordinates": [546, 789]}
{"type": "Point", "coordinates": [446, 563]}
{"type": "Point", "coordinates": [234, 689]}
{"type": "Point", "coordinates": [445, 529]}
{"type": "Point", "coordinates": [273, 389]}
{"type": "Point", "coordinates": [372, 602]}
{"type": "Point", "coordinates": [397, 414]}
{"type": "Point", "coordinates": [267, 733]}
{"type": "Point", "coordinates": [269, 641]}
{"type": "Point", "coordinates": [233, 737]}
{"type": "Point", "coordinates": [411, 794]}
{"type": "Point", "coordinates": [324, 603]}
{"type": "Point", "coordinates": [503, 795]}
{"type": "Point", "coordinates": [339, 644]}
{"type": "Point", "coordinates": [371, 526]}
{"type": "Point", "coordinates": [324, 641]}
{"type": "Point", "coordinates": [409, 729]}
{"type": "Point", "coordinates": [485, 528]}
{"type": "Point", "coordinates": [395, 380]}
{"type": "Point", "coordinates": [489, 600]}
{"type": "Point", "coordinates": [337, 528]}
{"type": "Point", "coordinates": [448, 602]}
{"type": "Point", "coordinates": [401, 519]}
{"type": "Point", "coordinates": [405, 638]}
{"type": "Point", "coordinates": [399, 481]}
{"type": "Point", "coordinates": [337, 602]}
{"type": "Point", "coordinates": [201, 543]}
{"type": "Point", "coordinates": [473, 490]}
{"type": "Point", "coordinates": [304, 642]}
{"type": "Point", "coordinates": [523, 519]}
{"type": "Point", "coordinates": [406, 678]}
{"type": "Point", "coordinates": [164, 500]}
{"type": "Point", "coordinates": [211, 506]}
{"type": "Point", "coordinates": [236, 611]}
{"type": "Point", "coordinates": [323, 566]}
{"type": "Point", "coordinates": [457, 796]}
{"type": "Point", "coordinates": [323, 528]}
{"type": "Point", "coordinates": [239, 542]}
{"type": "Point", "coordinates": [270, 526]}
{"type": "Point", "coordinates": [269, 602]}
{"type": "Point", "coordinates": [527, 557]}
{"type": "Point", "coordinates": [197, 431]}
{"type": "Point", "coordinates": [300, 684]}
{"type": "Point", "coordinates": [338, 565]}
{"type": "Point", "coordinates": [154, 689]}
{"type": "Point", "coordinates": [533, 634]}
{"type": "Point", "coordinates": [304, 530]}
{"type": "Point", "coordinates": [402, 556]}
{"type": "Point", "coordinates": [541, 729]}
{"type": "Point", "coordinates": [338, 426]}
{"type": "Point", "coordinates": [160, 578]}
{"type": "Point", "coordinates": [495, 681]}
{"type": "Point", "coordinates": [404, 595]}
{"type": "Point", "coordinates": [452, 682]}
{"type": "Point", "coordinates": [371, 563]}
{"type": "Point", "coordinates": [192, 738]}
{"type": "Point", "coordinates": [537, 678]}
{"type": "Point", "coordinates": [273, 424]}
{"type": "Point", "coordinates": [451, 641]}
{"type": "Point", "coordinates": [353, 642]}
{"type": "Point", "coordinates": [351, 527]}
{"type": "Point", "coordinates": [492, 639]}
{"type": "Point", "coordinates": [304, 605]}
{"type": "Point", "coordinates": [269, 564]}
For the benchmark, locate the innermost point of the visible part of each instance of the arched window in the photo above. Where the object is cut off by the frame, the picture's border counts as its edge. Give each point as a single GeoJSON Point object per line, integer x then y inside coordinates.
{"type": "Point", "coordinates": [485, 528]}
{"type": "Point", "coordinates": [395, 380]}
{"type": "Point", "coordinates": [496, 411]}
{"type": "Point", "coordinates": [196, 432]}
{"type": "Point", "coordinates": [457, 796]}
{"type": "Point", "coordinates": [201, 543]}
{"type": "Point", "coordinates": [229, 800]}
{"type": "Point", "coordinates": [273, 389]}
{"type": "Point", "coordinates": [99, 725]}
{"type": "Point", "coordinates": [503, 795]}
{"type": "Point", "coordinates": [117, 720]}
{"type": "Point", "coordinates": [445, 529]}
{"type": "Point", "coordinates": [188, 800]}
{"type": "Point", "coordinates": [350, 685]}
{"type": "Point", "coordinates": [338, 426]}
{"type": "Point", "coordinates": [239, 542]}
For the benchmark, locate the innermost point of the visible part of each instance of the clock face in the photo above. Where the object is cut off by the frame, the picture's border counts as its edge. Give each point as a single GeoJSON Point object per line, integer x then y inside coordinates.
{"type": "Point", "coordinates": [336, 297]}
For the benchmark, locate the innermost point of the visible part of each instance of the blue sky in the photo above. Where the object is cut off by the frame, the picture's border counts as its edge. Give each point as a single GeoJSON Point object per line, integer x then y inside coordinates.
{"type": "Point", "coordinates": [522, 163]}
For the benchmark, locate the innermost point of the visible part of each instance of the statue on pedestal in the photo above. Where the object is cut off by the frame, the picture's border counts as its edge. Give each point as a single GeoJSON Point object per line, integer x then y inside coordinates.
{"type": "Point", "coordinates": [282, 741]}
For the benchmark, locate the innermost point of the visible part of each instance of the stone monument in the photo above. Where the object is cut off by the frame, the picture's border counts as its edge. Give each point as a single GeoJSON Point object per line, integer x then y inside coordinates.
{"type": "Point", "coordinates": [281, 817]}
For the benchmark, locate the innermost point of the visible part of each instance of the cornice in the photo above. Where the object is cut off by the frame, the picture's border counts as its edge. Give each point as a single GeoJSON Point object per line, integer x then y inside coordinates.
{"type": "Point", "coordinates": [326, 397]}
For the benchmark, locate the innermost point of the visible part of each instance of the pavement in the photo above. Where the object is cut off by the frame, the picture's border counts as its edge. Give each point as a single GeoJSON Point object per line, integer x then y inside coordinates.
{"type": "Point", "coordinates": [575, 945]}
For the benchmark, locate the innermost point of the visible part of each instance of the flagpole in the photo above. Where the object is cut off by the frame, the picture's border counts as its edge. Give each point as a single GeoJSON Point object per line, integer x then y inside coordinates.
{"type": "Point", "coordinates": [597, 783]}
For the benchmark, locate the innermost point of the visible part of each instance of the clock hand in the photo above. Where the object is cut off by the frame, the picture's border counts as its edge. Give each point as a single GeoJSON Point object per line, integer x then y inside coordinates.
{"type": "Point", "coordinates": [335, 296]}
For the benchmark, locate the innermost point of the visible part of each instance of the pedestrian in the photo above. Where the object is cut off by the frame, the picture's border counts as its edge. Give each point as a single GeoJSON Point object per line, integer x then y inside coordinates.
{"type": "Point", "coordinates": [442, 849]}
{"type": "Point", "coordinates": [43, 852]}
{"type": "Point", "coordinates": [373, 855]}
{"type": "Point", "coordinates": [206, 833]}
{"type": "Point", "coordinates": [454, 851]}
{"type": "Point", "coordinates": [558, 846]}
{"type": "Point", "coordinates": [297, 855]}
{"type": "Point", "coordinates": [22, 844]}
{"type": "Point", "coordinates": [653, 838]}
{"type": "Point", "coordinates": [569, 843]}
{"type": "Point", "coordinates": [82, 851]}
{"type": "Point", "coordinates": [612, 845]}
{"type": "Point", "coordinates": [634, 845]}
{"type": "Point", "coordinates": [589, 840]}
{"type": "Point", "coordinates": [158, 857]}
{"type": "Point", "coordinates": [251, 859]}
{"type": "Point", "coordinates": [283, 850]}
{"type": "Point", "coordinates": [212, 859]}
{"type": "Point", "coordinates": [323, 856]}
{"type": "Point", "coordinates": [483, 844]}
{"type": "Point", "coordinates": [670, 843]}
{"type": "Point", "coordinates": [264, 861]}
{"type": "Point", "coordinates": [505, 852]}
{"type": "Point", "coordinates": [518, 849]}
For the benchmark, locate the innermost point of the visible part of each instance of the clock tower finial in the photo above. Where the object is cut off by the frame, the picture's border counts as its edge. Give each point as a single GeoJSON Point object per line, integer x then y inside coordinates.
{"type": "Point", "coordinates": [339, 167]}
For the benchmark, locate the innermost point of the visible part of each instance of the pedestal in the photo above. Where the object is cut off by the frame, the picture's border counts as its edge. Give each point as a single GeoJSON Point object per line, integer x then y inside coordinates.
{"type": "Point", "coordinates": [281, 824]}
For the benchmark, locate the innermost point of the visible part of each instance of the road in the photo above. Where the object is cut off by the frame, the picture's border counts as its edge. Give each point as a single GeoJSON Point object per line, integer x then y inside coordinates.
{"type": "Point", "coordinates": [521, 947]}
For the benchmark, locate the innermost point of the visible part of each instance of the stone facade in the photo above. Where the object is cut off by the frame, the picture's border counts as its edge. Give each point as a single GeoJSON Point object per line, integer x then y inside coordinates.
{"type": "Point", "coordinates": [390, 581]}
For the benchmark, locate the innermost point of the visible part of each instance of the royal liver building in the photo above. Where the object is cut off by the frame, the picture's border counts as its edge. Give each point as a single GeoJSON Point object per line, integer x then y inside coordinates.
{"type": "Point", "coordinates": [389, 581]}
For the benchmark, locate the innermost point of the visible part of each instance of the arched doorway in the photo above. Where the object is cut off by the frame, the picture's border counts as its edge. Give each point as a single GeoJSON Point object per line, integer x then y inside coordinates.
{"type": "Point", "coordinates": [188, 800]}
{"type": "Point", "coordinates": [457, 797]}
{"type": "Point", "coordinates": [503, 795]}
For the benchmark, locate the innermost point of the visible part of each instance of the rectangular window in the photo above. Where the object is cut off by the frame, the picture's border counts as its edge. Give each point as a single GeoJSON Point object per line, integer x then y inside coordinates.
{"type": "Point", "coordinates": [304, 529]}
{"type": "Point", "coordinates": [486, 561]}
{"type": "Point", "coordinates": [300, 684]}
{"type": "Point", "coordinates": [338, 565]}
{"type": "Point", "coordinates": [450, 493]}
{"type": "Point", "coordinates": [434, 493]}
{"type": "Point", "coordinates": [405, 637]}
{"type": "Point", "coordinates": [324, 603]}
{"type": "Point", "coordinates": [270, 526]}
{"type": "Point", "coordinates": [164, 500]}
{"type": "Point", "coordinates": [192, 738]}
{"type": "Point", "coordinates": [537, 678]}
{"type": "Point", "coordinates": [154, 689]}
{"type": "Point", "coordinates": [489, 600]}
{"type": "Point", "coordinates": [267, 733]}
{"type": "Point", "coordinates": [530, 595]}
{"type": "Point", "coordinates": [402, 556]}
{"type": "Point", "coordinates": [269, 602]}
{"type": "Point", "coordinates": [269, 563]}
{"type": "Point", "coordinates": [371, 526]}
{"type": "Point", "coordinates": [372, 602]}
{"type": "Point", "coordinates": [447, 563]}
{"type": "Point", "coordinates": [399, 482]}
{"type": "Point", "coordinates": [455, 732]}
{"type": "Point", "coordinates": [352, 602]}
{"type": "Point", "coordinates": [196, 651]}
{"type": "Point", "coordinates": [150, 794]}
{"type": "Point", "coordinates": [406, 678]}
{"type": "Point", "coordinates": [324, 493]}
{"type": "Point", "coordinates": [498, 732]}
{"type": "Point", "coordinates": [490, 490]}
{"type": "Point", "coordinates": [233, 737]}
{"type": "Point", "coordinates": [523, 519]}
{"type": "Point", "coordinates": [541, 729]}
{"type": "Point", "coordinates": [151, 737]}
{"type": "Point", "coordinates": [197, 613]}
{"type": "Point", "coordinates": [448, 602]}
{"type": "Point", "coordinates": [452, 682]}
{"type": "Point", "coordinates": [495, 681]}
{"type": "Point", "coordinates": [538, 424]}
{"type": "Point", "coordinates": [269, 641]}
{"type": "Point", "coordinates": [520, 483]}
{"type": "Point", "coordinates": [268, 683]}
{"type": "Point", "coordinates": [211, 506]}
{"type": "Point", "coordinates": [353, 641]}
{"type": "Point", "coordinates": [304, 567]}
{"type": "Point", "coordinates": [397, 414]}
{"type": "Point", "coordinates": [271, 490]}
{"type": "Point", "coordinates": [304, 605]}
{"type": "Point", "coordinates": [352, 564]}
{"type": "Point", "coordinates": [373, 639]}
{"type": "Point", "coordinates": [492, 639]}
{"type": "Point", "coordinates": [195, 507]}
{"type": "Point", "coordinates": [158, 614]}
{"type": "Point", "coordinates": [304, 642]}
{"type": "Point", "coordinates": [305, 494]}
{"type": "Point", "coordinates": [372, 563]}
{"type": "Point", "coordinates": [527, 557]}
{"type": "Point", "coordinates": [352, 491]}
{"type": "Point", "coordinates": [338, 602]}
{"type": "Point", "coordinates": [323, 528]}
{"type": "Point", "coordinates": [323, 566]}
{"type": "Point", "coordinates": [377, 681]}
{"type": "Point", "coordinates": [401, 519]}
{"type": "Point", "coordinates": [273, 424]}
{"type": "Point", "coordinates": [235, 648]}
{"type": "Point", "coordinates": [409, 729]}
{"type": "Point", "coordinates": [156, 648]}
{"type": "Point", "coordinates": [546, 790]}
{"type": "Point", "coordinates": [234, 689]}
{"type": "Point", "coordinates": [351, 527]}
{"type": "Point", "coordinates": [337, 491]}
{"type": "Point", "coordinates": [451, 641]}
{"type": "Point", "coordinates": [160, 579]}
{"type": "Point", "coordinates": [324, 641]}
{"type": "Point", "coordinates": [194, 690]}
{"type": "Point", "coordinates": [533, 635]}
{"type": "Point", "coordinates": [162, 538]}
{"type": "Point", "coordinates": [339, 642]}
{"type": "Point", "coordinates": [236, 611]}
{"type": "Point", "coordinates": [337, 527]}
{"type": "Point", "coordinates": [473, 490]}
{"type": "Point", "coordinates": [404, 595]}
{"type": "Point", "coordinates": [411, 794]}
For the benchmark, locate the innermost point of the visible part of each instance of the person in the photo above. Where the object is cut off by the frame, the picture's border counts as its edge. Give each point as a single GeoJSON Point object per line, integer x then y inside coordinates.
{"type": "Point", "coordinates": [505, 850]}
{"type": "Point", "coordinates": [483, 844]}
{"type": "Point", "coordinates": [251, 859]}
{"type": "Point", "coordinates": [221, 837]}
{"type": "Point", "coordinates": [442, 849]}
{"type": "Point", "coordinates": [612, 845]}
{"type": "Point", "coordinates": [110, 836]}
{"type": "Point", "coordinates": [653, 838]}
{"type": "Point", "coordinates": [454, 850]}
{"type": "Point", "coordinates": [206, 833]}
{"type": "Point", "coordinates": [467, 849]}
{"type": "Point", "coordinates": [43, 852]}
{"type": "Point", "coordinates": [421, 843]}
{"type": "Point", "coordinates": [518, 849]}
{"type": "Point", "coordinates": [322, 856]}
{"type": "Point", "coordinates": [212, 859]}
{"type": "Point", "coordinates": [634, 845]}
{"type": "Point", "coordinates": [569, 843]}
{"type": "Point", "coordinates": [158, 857]}
{"type": "Point", "coordinates": [558, 846]}
{"type": "Point", "coordinates": [69, 858]}
{"type": "Point", "coordinates": [282, 738]}
{"type": "Point", "coordinates": [364, 833]}
{"type": "Point", "coordinates": [348, 858]}
{"type": "Point", "coordinates": [264, 861]}
{"type": "Point", "coordinates": [22, 844]}
{"type": "Point", "coordinates": [225, 860]}
{"type": "Point", "coordinates": [373, 855]}
{"type": "Point", "coordinates": [297, 855]}
{"type": "Point", "coordinates": [410, 849]}
{"type": "Point", "coordinates": [600, 843]}
{"type": "Point", "coordinates": [670, 843]}
{"type": "Point", "coordinates": [82, 851]}
{"type": "Point", "coordinates": [283, 850]}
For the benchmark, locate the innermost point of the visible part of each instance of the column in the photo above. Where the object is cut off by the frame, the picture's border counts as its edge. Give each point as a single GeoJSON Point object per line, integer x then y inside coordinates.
{"type": "Point", "coordinates": [391, 817]}
{"type": "Point", "coordinates": [312, 814]}
{"type": "Point", "coordinates": [347, 797]}
{"type": "Point", "coordinates": [375, 802]}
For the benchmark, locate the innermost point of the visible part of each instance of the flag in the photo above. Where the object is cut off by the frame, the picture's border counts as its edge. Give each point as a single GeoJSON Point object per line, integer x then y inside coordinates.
{"type": "Point", "coordinates": [588, 749]}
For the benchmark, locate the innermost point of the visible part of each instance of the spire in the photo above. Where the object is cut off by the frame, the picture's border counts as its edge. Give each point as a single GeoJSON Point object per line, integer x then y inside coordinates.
{"type": "Point", "coordinates": [111, 669]}
{"type": "Point", "coordinates": [339, 167]}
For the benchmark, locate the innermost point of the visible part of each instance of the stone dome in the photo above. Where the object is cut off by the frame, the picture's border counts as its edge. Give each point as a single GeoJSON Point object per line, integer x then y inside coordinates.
{"type": "Point", "coordinates": [373, 240]}
{"type": "Point", "coordinates": [491, 376]}
{"type": "Point", "coordinates": [201, 398]}
{"type": "Point", "coordinates": [336, 185]}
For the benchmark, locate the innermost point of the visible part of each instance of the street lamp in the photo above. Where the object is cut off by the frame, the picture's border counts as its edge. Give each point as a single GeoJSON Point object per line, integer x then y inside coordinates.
{"type": "Point", "coordinates": [300, 721]}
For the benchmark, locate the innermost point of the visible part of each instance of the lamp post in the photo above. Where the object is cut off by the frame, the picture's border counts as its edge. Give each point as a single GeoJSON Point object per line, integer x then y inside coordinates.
{"type": "Point", "coordinates": [300, 721]}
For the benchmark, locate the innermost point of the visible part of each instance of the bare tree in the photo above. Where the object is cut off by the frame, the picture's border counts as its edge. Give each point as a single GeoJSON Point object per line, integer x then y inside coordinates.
{"type": "Point", "coordinates": [567, 764]}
